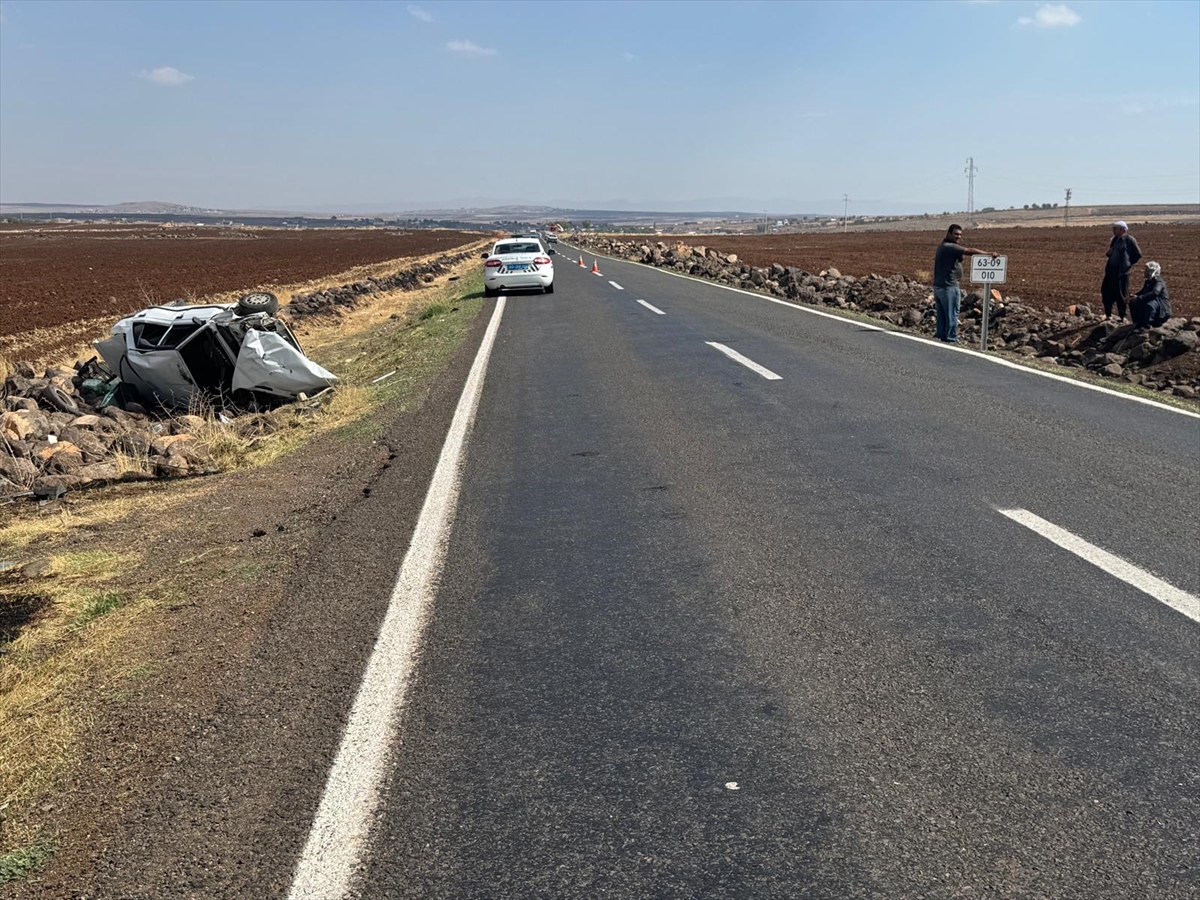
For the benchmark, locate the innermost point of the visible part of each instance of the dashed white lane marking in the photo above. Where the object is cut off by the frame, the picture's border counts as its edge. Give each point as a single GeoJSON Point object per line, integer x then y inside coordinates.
{"type": "Point", "coordinates": [339, 832]}
{"type": "Point", "coordinates": [653, 309]}
{"type": "Point", "coordinates": [933, 344]}
{"type": "Point", "coordinates": [748, 363]}
{"type": "Point", "coordinates": [1179, 600]}
{"type": "Point", "coordinates": [617, 286]}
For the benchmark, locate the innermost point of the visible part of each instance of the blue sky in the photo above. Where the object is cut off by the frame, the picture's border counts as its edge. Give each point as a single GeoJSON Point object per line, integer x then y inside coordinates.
{"type": "Point", "coordinates": [762, 106]}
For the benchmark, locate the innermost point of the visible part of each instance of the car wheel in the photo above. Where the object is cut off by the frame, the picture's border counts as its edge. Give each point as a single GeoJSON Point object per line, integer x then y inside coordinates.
{"type": "Point", "coordinates": [490, 292]}
{"type": "Point", "coordinates": [60, 399]}
{"type": "Point", "coordinates": [258, 302]}
{"type": "Point", "coordinates": [548, 289]}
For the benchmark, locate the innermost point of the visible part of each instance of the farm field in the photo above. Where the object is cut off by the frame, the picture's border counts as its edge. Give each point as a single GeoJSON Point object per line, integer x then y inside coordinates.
{"type": "Point", "coordinates": [1052, 267]}
{"type": "Point", "coordinates": [52, 277]}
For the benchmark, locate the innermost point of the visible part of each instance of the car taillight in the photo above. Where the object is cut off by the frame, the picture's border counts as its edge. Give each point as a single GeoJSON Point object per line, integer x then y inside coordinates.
{"type": "Point", "coordinates": [492, 264]}
{"type": "Point", "coordinates": [542, 261]}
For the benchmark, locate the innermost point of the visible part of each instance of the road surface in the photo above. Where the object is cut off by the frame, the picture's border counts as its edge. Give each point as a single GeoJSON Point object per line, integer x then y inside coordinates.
{"type": "Point", "coordinates": [742, 601]}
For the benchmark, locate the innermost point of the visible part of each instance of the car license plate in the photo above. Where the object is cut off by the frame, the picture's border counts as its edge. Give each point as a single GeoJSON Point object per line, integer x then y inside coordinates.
{"type": "Point", "coordinates": [517, 267]}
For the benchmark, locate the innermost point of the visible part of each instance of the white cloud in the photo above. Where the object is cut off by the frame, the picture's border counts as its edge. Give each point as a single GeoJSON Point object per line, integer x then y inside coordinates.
{"type": "Point", "coordinates": [627, 56]}
{"type": "Point", "coordinates": [469, 48]}
{"type": "Point", "coordinates": [418, 13]}
{"type": "Point", "coordinates": [1052, 15]}
{"type": "Point", "coordinates": [1140, 105]}
{"type": "Point", "coordinates": [167, 76]}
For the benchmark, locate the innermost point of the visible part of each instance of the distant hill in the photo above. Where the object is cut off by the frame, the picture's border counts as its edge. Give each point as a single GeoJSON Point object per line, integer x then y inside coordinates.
{"type": "Point", "coordinates": [149, 207]}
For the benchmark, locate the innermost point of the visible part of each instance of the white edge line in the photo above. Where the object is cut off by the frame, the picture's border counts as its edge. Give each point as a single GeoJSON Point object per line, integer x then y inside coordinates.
{"type": "Point", "coordinates": [932, 344]}
{"type": "Point", "coordinates": [617, 286]}
{"type": "Point", "coordinates": [745, 361]}
{"type": "Point", "coordinates": [343, 820]}
{"type": "Point", "coordinates": [1162, 591]}
{"type": "Point", "coordinates": [653, 309]}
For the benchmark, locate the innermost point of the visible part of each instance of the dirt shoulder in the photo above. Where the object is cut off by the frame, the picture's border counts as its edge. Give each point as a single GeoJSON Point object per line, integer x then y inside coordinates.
{"type": "Point", "coordinates": [182, 687]}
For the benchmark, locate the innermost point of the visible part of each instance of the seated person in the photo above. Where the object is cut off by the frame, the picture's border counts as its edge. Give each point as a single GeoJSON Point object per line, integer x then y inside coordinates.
{"type": "Point", "coordinates": [1151, 306]}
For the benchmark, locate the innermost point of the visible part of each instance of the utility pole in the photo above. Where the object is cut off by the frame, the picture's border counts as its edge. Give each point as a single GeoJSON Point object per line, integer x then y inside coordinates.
{"type": "Point", "coordinates": [845, 210]}
{"type": "Point", "coordinates": [1067, 208]}
{"type": "Point", "coordinates": [970, 170]}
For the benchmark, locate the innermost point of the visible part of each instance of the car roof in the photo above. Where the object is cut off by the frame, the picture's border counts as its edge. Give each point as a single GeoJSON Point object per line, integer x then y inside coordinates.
{"type": "Point", "coordinates": [520, 239]}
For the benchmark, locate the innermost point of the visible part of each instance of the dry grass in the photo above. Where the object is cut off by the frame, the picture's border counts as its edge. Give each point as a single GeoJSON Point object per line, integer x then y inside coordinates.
{"type": "Point", "coordinates": [41, 669]}
{"type": "Point", "coordinates": [53, 525]}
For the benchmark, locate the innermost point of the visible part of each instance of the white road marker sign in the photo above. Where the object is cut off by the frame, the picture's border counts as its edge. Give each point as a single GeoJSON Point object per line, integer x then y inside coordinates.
{"type": "Point", "coordinates": [988, 269]}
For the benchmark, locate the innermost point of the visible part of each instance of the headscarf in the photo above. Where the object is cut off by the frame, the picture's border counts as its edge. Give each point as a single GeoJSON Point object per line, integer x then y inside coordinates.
{"type": "Point", "coordinates": [1153, 270]}
{"type": "Point", "coordinates": [1121, 225]}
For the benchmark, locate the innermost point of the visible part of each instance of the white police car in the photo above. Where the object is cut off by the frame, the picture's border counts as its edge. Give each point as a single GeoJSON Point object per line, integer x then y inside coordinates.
{"type": "Point", "coordinates": [518, 263]}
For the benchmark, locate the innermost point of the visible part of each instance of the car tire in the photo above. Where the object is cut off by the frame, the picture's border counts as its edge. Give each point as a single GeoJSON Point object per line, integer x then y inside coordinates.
{"type": "Point", "coordinates": [60, 399]}
{"type": "Point", "coordinates": [548, 289]}
{"type": "Point", "coordinates": [258, 302]}
{"type": "Point", "coordinates": [490, 292]}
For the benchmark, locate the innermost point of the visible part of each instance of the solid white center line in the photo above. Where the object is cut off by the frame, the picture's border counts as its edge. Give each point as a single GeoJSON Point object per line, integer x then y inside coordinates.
{"type": "Point", "coordinates": [1179, 600]}
{"type": "Point", "coordinates": [748, 363]}
{"type": "Point", "coordinates": [617, 286]}
{"type": "Point", "coordinates": [653, 309]}
{"type": "Point", "coordinates": [333, 852]}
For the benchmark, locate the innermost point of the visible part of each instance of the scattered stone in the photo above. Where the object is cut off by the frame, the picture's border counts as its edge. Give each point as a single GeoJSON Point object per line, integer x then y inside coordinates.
{"type": "Point", "coordinates": [38, 568]}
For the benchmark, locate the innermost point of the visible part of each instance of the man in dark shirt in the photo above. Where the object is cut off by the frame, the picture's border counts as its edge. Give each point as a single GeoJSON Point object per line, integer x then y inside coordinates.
{"type": "Point", "coordinates": [1123, 254]}
{"type": "Point", "coordinates": [947, 273]}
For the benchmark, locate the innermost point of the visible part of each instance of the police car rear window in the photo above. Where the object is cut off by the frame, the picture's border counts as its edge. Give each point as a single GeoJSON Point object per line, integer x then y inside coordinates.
{"type": "Point", "coordinates": [517, 248]}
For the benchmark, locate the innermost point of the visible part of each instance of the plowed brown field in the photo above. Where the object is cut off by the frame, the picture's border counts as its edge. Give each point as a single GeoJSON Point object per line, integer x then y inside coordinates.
{"type": "Point", "coordinates": [1052, 267]}
{"type": "Point", "coordinates": [55, 276]}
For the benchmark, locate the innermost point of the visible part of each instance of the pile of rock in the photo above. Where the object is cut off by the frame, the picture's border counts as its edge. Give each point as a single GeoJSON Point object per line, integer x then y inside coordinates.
{"type": "Point", "coordinates": [1166, 358]}
{"type": "Point", "coordinates": [333, 301]}
{"type": "Point", "coordinates": [51, 441]}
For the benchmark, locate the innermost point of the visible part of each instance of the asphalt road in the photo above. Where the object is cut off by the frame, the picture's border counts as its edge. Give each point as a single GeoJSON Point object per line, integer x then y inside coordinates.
{"type": "Point", "coordinates": [702, 633]}
{"type": "Point", "coordinates": [705, 634]}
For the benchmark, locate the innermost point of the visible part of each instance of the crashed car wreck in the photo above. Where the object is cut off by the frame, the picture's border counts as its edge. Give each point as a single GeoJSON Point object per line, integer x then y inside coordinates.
{"type": "Point", "coordinates": [238, 353]}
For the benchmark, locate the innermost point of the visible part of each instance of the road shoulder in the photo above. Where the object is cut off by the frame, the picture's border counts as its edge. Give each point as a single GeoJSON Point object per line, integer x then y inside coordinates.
{"type": "Point", "coordinates": [225, 685]}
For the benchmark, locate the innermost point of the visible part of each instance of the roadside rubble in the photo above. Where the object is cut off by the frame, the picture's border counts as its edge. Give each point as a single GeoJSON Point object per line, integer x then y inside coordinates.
{"type": "Point", "coordinates": [333, 301]}
{"type": "Point", "coordinates": [130, 415]}
{"type": "Point", "coordinates": [1164, 359]}
{"type": "Point", "coordinates": [53, 439]}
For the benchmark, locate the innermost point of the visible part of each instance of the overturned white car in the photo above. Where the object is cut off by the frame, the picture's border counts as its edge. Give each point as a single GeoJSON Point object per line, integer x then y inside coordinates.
{"type": "Point", "coordinates": [237, 353]}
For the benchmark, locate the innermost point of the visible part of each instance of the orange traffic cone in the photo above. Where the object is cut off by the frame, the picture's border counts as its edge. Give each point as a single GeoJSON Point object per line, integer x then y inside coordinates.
{"type": "Point", "coordinates": [581, 263]}
{"type": "Point", "coordinates": [595, 267]}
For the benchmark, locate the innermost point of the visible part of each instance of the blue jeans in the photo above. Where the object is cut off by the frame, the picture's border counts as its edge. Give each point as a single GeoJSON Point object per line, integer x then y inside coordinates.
{"type": "Point", "coordinates": [946, 303]}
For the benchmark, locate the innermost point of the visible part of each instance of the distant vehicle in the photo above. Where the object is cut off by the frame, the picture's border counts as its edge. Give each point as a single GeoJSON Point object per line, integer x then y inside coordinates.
{"type": "Point", "coordinates": [518, 263]}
